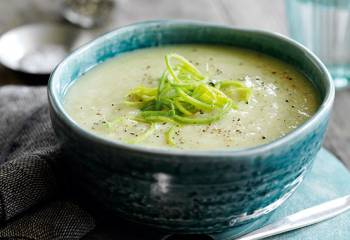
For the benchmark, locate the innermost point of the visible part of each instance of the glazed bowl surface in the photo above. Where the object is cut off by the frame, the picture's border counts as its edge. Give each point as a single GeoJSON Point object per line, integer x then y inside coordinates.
{"type": "Point", "coordinates": [181, 190]}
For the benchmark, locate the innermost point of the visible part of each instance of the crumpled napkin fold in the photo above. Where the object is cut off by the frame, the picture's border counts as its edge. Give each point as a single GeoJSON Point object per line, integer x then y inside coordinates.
{"type": "Point", "coordinates": [30, 203]}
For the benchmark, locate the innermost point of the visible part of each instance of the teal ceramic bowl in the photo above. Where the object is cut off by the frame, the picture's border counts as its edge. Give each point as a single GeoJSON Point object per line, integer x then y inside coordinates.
{"type": "Point", "coordinates": [189, 191]}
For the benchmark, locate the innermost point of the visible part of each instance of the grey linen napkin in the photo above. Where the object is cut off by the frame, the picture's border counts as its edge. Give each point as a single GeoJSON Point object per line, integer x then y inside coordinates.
{"type": "Point", "coordinates": [30, 203]}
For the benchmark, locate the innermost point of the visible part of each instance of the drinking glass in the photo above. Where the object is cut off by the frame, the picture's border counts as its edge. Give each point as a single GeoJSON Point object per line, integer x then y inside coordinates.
{"type": "Point", "coordinates": [323, 26]}
{"type": "Point", "coordinates": [87, 13]}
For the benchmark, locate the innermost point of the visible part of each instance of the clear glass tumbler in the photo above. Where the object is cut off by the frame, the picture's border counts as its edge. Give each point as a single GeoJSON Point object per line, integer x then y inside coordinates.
{"type": "Point", "coordinates": [87, 13]}
{"type": "Point", "coordinates": [324, 27]}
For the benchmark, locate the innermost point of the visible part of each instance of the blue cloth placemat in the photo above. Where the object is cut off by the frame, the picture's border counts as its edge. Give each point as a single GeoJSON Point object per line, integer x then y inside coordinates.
{"type": "Point", "coordinates": [328, 179]}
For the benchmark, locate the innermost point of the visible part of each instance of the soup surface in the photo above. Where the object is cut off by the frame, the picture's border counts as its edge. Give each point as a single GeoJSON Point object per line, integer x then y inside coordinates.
{"type": "Point", "coordinates": [281, 98]}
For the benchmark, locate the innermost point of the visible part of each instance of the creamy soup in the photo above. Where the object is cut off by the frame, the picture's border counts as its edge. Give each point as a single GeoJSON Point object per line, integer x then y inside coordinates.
{"type": "Point", "coordinates": [280, 99]}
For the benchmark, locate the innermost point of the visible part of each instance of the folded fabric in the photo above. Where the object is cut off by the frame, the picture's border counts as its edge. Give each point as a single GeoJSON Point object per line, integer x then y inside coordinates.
{"type": "Point", "coordinates": [29, 156]}
{"type": "Point", "coordinates": [56, 220]}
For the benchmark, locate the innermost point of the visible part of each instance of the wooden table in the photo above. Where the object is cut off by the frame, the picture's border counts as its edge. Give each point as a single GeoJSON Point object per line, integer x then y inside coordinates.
{"type": "Point", "coordinates": [262, 14]}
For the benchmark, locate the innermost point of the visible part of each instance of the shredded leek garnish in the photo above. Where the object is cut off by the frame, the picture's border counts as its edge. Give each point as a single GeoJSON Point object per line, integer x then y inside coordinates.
{"type": "Point", "coordinates": [185, 96]}
{"type": "Point", "coordinates": [143, 136]}
{"type": "Point", "coordinates": [169, 136]}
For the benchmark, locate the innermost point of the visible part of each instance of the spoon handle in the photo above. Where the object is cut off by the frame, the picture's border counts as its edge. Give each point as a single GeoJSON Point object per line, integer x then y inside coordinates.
{"type": "Point", "coordinates": [301, 219]}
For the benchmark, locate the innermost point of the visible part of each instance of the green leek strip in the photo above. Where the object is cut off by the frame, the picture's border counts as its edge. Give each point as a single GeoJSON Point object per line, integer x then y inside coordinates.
{"type": "Point", "coordinates": [162, 81]}
{"type": "Point", "coordinates": [143, 93]}
{"type": "Point", "coordinates": [168, 105]}
{"type": "Point", "coordinates": [169, 136]}
{"type": "Point", "coordinates": [143, 89]}
{"type": "Point", "coordinates": [199, 90]}
{"type": "Point", "coordinates": [143, 136]}
{"type": "Point", "coordinates": [156, 113]}
{"type": "Point", "coordinates": [243, 94]}
{"type": "Point", "coordinates": [171, 70]}
{"type": "Point", "coordinates": [166, 89]}
{"type": "Point", "coordinates": [219, 93]}
{"type": "Point", "coordinates": [161, 85]}
{"type": "Point", "coordinates": [140, 119]}
{"type": "Point", "coordinates": [239, 94]}
{"type": "Point", "coordinates": [211, 92]}
{"type": "Point", "coordinates": [147, 98]}
{"type": "Point", "coordinates": [198, 104]}
{"type": "Point", "coordinates": [235, 106]}
{"type": "Point", "coordinates": [232, 83]}
{"type": "Point", "coordinates": [135, 104]}
{"type": "Point", "coordinates": [205, 94]}
{"type": "Point", "coordinates": [221, 97]}
{"type": "Point", "coordinates": [185, 64]}
{"type": "Point", "coordinates": [189, 85]}
{"type": "Point", "coordinates": [181, 108]}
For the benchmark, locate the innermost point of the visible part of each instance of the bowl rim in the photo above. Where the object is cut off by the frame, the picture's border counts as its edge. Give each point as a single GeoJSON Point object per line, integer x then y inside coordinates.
{"type": "Point", "coordinates": [323, 109]}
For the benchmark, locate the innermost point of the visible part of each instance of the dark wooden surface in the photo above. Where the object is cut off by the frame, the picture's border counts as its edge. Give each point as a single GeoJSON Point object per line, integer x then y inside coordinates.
{"type": "Point", "coordinates": [262, 14]}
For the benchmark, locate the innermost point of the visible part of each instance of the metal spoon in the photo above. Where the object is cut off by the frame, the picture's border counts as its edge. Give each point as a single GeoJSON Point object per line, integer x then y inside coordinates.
{"type": "Point", "coordinates": [302, 219]}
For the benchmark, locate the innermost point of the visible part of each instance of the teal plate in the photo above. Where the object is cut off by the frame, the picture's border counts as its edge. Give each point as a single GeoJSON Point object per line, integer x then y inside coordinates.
{"type": "Point", "coordinates": [327, 180]}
